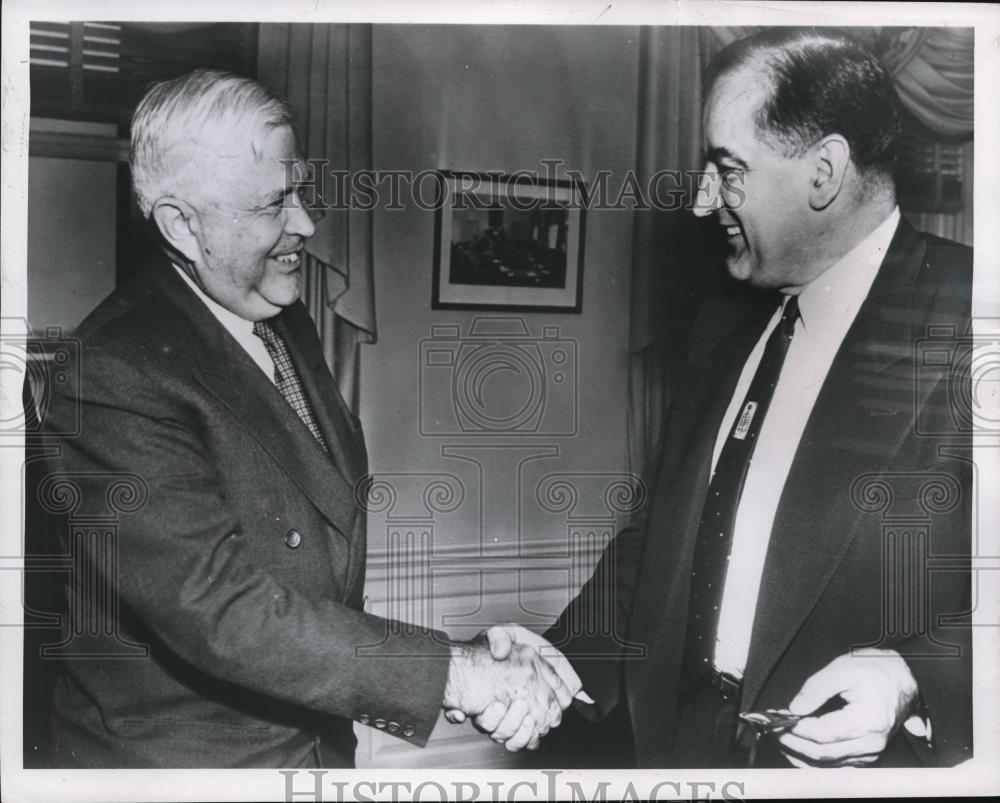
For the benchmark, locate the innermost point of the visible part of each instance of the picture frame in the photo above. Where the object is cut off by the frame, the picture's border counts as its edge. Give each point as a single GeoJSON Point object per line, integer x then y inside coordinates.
{"type": "Point", "coordinates": [508, 243]}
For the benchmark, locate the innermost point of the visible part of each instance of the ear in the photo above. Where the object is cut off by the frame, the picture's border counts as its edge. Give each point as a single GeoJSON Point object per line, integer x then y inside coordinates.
{"type": "Point", "coordinates": [831, 161]}
{"type": "Point", "coordinates": [178, 222]}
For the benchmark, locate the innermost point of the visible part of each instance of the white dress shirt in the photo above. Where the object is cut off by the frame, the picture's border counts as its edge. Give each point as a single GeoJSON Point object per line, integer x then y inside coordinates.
{"type": "Point", "coordinates": [827, 306]}
{"type": "Point", "coordinates": [240, 328]}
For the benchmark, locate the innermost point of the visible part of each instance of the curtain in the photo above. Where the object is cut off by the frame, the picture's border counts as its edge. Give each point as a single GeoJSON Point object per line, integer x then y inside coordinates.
{"type": "Point", "coordinates": [932, 68]}
{"type": "Point", "coordinates": [325, 72]}
{"type": "Point", "coordinates": [668, 137]}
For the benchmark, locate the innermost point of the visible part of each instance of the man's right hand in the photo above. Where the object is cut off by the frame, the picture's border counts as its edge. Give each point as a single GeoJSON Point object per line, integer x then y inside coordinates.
{"type": "Point", "coordinates": [520, 694]}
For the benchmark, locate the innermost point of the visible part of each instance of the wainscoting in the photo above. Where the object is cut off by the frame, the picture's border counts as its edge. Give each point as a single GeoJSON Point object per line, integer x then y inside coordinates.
{"type": "Point", "coordinates": [462, 589]}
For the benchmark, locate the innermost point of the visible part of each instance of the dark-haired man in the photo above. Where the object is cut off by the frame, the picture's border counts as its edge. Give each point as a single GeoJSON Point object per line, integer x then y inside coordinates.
{"type": "Point", "coordinates": [781, 563]}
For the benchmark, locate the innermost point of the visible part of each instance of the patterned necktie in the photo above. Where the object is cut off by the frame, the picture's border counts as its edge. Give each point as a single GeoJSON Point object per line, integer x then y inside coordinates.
{"type": "Point", "coordinates": [718, 518]}
{"type": "Point", "coordinates": [287, 379]}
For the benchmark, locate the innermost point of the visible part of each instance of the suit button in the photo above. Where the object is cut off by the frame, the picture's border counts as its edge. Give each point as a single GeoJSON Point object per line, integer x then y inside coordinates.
{"type": "Point", "coordinates": [380, 724]}
{"type": "Point", "coordinates": [292, 539]}
{"type": "Point", "coordinates": [364, 719]}
{"type": "Point", "coordinates": [393, 727]}
{"type": "Point", "coordinates": [408, 731]}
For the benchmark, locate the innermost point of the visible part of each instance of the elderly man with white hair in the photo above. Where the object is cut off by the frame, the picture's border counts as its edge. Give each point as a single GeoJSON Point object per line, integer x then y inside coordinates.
{"type": "Point", "coordinates": [234, 634]}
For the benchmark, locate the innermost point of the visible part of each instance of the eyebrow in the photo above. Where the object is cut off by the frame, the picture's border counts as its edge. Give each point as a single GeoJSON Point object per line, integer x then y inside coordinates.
{"type": "Point", "coordinates": [272, 198]}
{"type": "Point", "coordinates": [280, 194]}
{"type": "Point", "coordinates": [277, 195]}
{"type": "Point", "coordinates": [720, 154]}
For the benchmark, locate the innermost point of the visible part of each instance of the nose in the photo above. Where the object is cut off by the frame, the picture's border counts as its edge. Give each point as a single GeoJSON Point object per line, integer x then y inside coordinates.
{"type": "Point", "coordinates": [707, 197]}
{"type": "Point", "coordinates": [298, 221]}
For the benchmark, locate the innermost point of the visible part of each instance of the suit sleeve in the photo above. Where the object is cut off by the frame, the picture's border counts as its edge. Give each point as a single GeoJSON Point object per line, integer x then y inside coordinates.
{"type": "Point", "coordinates": [183, 566]}
{"type": "Point", "coordinates": [940, 657]}
{"type": "Point", "coordinates": [591, 631]}
{"type": "Point", "coordinates": [941, 663]}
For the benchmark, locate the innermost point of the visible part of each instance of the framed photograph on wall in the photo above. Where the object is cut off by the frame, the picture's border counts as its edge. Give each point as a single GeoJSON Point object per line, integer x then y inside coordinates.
{"type": "Point", "coordinates": [512, 243]}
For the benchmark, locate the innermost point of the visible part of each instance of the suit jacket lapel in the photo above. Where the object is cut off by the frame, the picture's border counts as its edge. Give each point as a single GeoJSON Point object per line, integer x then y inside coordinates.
{"type": "Point", "coordinates": [863, 412]}
{"type": "Point", "coordinates": [705, 386]}
{"type": "Point", "coordinates": [225, 369]}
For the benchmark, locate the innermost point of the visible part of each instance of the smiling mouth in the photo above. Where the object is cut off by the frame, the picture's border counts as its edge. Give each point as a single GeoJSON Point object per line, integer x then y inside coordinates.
{"type": "Point", "coordinates": [732, 231]}
{"type": "Point", "coordinates": [288, 259]}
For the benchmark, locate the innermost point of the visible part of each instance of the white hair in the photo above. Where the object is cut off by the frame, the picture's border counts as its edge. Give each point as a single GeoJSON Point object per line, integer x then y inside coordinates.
{"type": "Point", "coordinates": [168, 151]}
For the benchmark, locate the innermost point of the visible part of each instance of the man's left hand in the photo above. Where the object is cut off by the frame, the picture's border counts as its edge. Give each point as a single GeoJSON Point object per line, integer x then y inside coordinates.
{"type": "Point", "coordinates": [879, 691]}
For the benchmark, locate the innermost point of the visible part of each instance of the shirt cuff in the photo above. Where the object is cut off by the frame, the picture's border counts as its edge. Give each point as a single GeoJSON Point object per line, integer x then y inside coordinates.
{"type": "Point", "coordinates": [919, 725]}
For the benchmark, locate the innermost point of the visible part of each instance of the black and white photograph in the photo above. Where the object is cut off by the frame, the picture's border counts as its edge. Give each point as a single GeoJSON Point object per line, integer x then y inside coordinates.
{"type": "Point", "coordinates": [499, 401]}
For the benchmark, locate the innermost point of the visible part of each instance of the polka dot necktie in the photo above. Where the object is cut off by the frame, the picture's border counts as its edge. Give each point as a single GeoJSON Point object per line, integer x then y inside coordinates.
{"type": "Point", "coordinates": [718, 518]}
{"type": "Point", "coordinates": [287, 379]}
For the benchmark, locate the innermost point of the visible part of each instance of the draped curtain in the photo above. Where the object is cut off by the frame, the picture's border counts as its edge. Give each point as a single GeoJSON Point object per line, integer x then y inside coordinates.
{"type": "Point", "coordinates": [325, 72]}
{"type": "Point", "coordinates": [933, 72]}
{"type": "Point", "coordinates": [671, 65]}
{"type": "Point", "coordinates": [932, 68]}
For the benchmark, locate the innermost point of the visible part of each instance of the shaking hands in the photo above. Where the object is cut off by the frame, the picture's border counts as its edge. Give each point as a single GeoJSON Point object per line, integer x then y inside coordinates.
{"type": "Point", "coordinates": [512, 683]}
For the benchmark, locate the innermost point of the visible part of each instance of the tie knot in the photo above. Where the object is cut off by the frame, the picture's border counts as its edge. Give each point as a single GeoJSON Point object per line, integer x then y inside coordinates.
{"type": "Point", "coordinates": [790, 314]}
{"type": "Point", "coordinates": [264, 331]}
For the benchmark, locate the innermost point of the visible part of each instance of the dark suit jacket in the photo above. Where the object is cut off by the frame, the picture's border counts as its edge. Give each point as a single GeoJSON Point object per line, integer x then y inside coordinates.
{"type": "Point", "coordinates": [872, 500]}
{"type": "Point", "coordinates": [233, 549]}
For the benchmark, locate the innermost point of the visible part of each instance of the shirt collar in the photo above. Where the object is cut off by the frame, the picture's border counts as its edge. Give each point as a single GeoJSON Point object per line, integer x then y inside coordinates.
{"type": "Point", "coordinates": [238, 327]}
{"type": "Point", "coordinates": [838, 292]}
